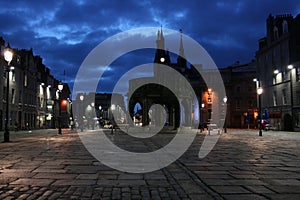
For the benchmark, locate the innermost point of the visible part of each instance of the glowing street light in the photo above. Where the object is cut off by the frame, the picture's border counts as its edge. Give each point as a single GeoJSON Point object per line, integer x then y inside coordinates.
{"type": "Point", "coordinates": [8, 56]}
{"type": "Point", "coordinates": [291, 67]}
{"type": "Point", "coordinates": [60, 88]}
{"type": "Point", "coordinates": [225, 102]}
{"type": "Point", "coordinates": [81, 97]}
{"type": "Point", "coordinates": [259, 92]}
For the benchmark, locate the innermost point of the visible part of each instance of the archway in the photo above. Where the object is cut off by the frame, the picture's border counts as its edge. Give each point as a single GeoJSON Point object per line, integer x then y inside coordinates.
{"type": "Point", "coordinates": [151, 94]}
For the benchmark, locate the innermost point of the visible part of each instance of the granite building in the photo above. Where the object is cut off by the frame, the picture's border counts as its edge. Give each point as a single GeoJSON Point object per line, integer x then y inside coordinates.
{"type": "Point", "coordinates": [278, 69]}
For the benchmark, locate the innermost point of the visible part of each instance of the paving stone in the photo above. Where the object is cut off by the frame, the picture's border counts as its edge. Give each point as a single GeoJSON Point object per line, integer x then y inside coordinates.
{"type": "Point", "coordinates": [74, 182]}
{"type": "Point", "coordinates": [230, 189]}
{"type": "Point", "coordinates": [32, 181]}
{"type": "Point", "coordinates": [245, 197]}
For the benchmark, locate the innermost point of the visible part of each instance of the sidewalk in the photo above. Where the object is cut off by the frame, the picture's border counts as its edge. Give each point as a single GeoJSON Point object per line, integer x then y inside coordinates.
{"type": "Point", "coordinates": [44, 165]}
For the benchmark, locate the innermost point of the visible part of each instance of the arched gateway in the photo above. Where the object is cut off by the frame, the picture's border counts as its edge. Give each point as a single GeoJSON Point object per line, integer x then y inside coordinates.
{"type": "Point", "coordinates": [152, 94]}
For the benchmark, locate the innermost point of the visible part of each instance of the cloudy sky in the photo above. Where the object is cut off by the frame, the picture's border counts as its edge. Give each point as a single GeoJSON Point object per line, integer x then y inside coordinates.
{"type": "Point", "coordinates": [64, 32]}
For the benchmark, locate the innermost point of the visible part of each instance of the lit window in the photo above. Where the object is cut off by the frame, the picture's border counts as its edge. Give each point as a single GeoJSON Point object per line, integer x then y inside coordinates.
{"type": "Point", "coordinates": [12, 96]}
{"type": "Point", "coordinates": [25, 80]}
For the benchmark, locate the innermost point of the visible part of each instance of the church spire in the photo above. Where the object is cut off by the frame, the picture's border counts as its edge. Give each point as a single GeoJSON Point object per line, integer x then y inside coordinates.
{"type": "Point", "coordinates": [181, 50]}
{"type": "Point", "coordinates": [160, 42]}
{"type": "Point", "coordinates": [160, 49]}
{"type": "Point", "coordinates": [181, 61]}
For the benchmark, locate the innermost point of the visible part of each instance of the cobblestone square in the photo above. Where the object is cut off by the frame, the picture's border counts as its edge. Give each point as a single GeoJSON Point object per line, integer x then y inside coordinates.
{"type": "Point", "coordinates": [242, 165]}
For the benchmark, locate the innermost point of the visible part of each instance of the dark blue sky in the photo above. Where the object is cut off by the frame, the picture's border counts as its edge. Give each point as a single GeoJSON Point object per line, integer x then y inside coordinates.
{"type": "Point", "coordinates": [64, 32]}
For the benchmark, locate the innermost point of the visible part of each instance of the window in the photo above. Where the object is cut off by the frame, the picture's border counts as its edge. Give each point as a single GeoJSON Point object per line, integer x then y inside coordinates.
{"type": "Point", "coordinates": [285, 27]}
{"type": "Point", "coordinates": [274, 98]}
{"type": "Point", "coordinates": [275, 30]}
{"type": "Point", "coordinates": [284, 97]}
{"type": "Point", "coordinates": [18, 59]}
{"type": "Point", "coordinates": [298, 98]}
{"type": "Point", "coordinates": [25, 80]}
{"type": "Point", "coordinates": [20, 96]}
{"type": "Point", "coordinates": [13, 75]}
{"type": "Point", "coordinates": [284, 75]}
{"type": "Point", "coordinates": [250, 103]}
{"type": "Point", "coordinates": [4, 93]}
{"type": "Point", "coordinates": [13, 96]}
{"type": "Point", "coordinates": [238, 104]}
{"type": "Point", "coordinates": [298, 73]}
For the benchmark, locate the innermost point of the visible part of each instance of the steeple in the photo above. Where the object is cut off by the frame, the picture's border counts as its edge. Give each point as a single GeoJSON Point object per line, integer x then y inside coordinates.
{"type": "Point", "coordinates": [161, 56]}
{"type": "Point", "coordinates": [181, 61]}
{"type": "Point", "coordinates": [181, 50]}
{"type": "Point", "coordinates": [160, 42]}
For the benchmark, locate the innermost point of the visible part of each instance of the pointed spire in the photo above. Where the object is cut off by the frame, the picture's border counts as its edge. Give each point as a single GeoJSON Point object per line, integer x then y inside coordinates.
{"type": "Point", "coordinates": [161, 33]}
{"type": "Point", "coordinates": [181, 50]}
{"type": "Point", "coordinates": [181, 61]}
{"type": "Point", "coordinates": [160, 42]}
{"type": "Point", "coordinates": [158, 34]}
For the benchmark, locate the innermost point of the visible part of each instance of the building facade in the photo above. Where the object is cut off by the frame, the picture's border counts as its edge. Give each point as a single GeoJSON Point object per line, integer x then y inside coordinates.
{"type": "Point", "coordinates": [278, 69]}
{"type": "Point", "coordinates": [241, 95]}
{"type": "Point", "coordinates": [33, 92]}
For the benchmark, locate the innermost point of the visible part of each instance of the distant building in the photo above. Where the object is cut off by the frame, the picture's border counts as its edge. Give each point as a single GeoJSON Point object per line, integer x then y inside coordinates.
{"type": "Point", "coordinates": [278, 69]}
{"type": "Point", "coordinates": [241, 95]}
{"type": "Point", "coordinates": [96, 108]}
{"type": "Point", "coordinates": [240, 99]}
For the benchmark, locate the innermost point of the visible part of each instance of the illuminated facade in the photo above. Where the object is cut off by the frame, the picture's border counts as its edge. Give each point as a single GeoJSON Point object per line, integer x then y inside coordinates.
{"type": "Point", "coordinates": [32, 97]}
{"type": "Point", "coordinates": [278, 68]}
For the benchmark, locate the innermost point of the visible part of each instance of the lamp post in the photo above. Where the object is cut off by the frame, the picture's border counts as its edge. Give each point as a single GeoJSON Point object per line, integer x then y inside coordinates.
{"type": "Point", "coordinates": [92, 115]}
{"type": "Point", "coordinates": [225, 106]}
{"type": "Point", "coordinates": [8, 55]}
{"type": "Point", "coordinates": [60, 88]}
{"type": "Point", "coordinates": [202, 118]}
{"type": "Point", "coordinates": [259, 92]}
{"type": "Point", "coordinates": [81, 118]}
{"type": "Point", "coordinates": [112, 107]}
{"type": "Point", "coordinates": [291, 67]}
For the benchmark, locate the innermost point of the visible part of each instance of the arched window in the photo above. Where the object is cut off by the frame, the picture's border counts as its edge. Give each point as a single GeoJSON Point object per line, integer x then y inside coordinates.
{"type": "Point", "coordinates": [285, 27]}
{"type": "Point", "coordinates": [275, 30]}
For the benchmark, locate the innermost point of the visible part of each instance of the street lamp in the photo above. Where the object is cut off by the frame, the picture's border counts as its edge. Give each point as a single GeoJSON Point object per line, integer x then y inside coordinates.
{"type": "Point", "coordinates": [92, 115]}
{"type": "Point", "coordinates": [291, 67]}
{"type": "Point", "coordinates": [202, 118]}
{"type": "Point", "coordinates": [259, 92]}
{"type": "Point", "coordinates": [8, 55]}
{"type": "Point", "coordinates": [225, 104]}
{"type": "Point", "coordinates": [60, 88]}
{"type": "Point", "coordinates": [81, 97]}
{"type": "Point", "coordinates": [113, 108]}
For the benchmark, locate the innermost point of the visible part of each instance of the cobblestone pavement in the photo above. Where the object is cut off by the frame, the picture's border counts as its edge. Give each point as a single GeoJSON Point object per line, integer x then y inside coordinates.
{"type": "Point", "coordinates": [43, 165]}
